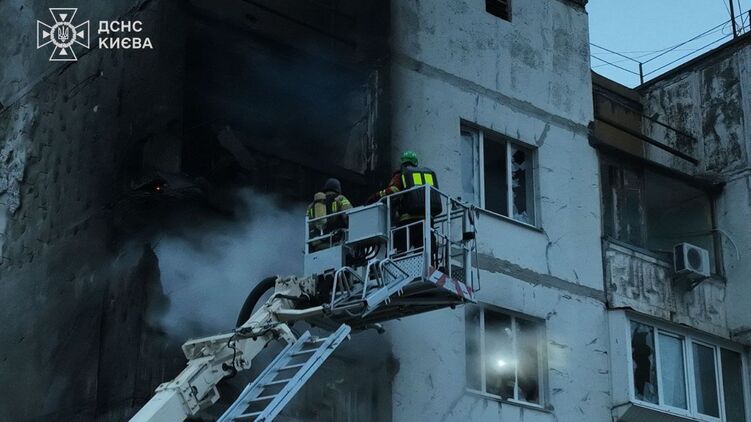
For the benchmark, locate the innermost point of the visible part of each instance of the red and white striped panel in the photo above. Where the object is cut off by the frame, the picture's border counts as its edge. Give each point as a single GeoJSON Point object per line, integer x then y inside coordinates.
{"type": "Point", "coordinates": [456, 287]}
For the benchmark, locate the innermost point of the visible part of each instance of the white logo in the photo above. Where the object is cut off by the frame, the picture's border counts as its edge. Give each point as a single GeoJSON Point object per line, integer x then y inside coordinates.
{"type": "Point", "coordinates": [63, 34]}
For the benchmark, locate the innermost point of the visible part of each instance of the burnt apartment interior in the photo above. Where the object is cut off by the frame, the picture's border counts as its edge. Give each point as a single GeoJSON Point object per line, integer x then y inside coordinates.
{"type": "Point", "coordinates": [647, 206]}
{"type": "Point", "coordinates": [277, 97]}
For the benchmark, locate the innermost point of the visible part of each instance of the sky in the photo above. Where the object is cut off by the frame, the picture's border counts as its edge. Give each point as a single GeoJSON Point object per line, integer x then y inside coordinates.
{"type": "Point", "coordinates": [640, 28]}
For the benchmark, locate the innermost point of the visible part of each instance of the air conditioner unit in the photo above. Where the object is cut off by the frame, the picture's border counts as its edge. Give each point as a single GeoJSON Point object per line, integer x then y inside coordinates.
{"type": "Point", "coordinates": [691, 261]}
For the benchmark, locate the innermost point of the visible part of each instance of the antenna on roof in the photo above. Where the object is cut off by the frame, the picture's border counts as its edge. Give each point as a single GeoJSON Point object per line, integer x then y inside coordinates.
{"type": "Point", "coordinates": [732, 19]}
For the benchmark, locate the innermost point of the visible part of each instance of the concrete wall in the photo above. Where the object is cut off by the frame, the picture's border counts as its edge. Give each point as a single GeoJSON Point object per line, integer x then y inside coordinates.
{"type": "Point", "coordinates": [527, 79]}
{"type": "Point", "coordinates": [710, 99]}
{"type": "Point", "coordinates": [65, 133]}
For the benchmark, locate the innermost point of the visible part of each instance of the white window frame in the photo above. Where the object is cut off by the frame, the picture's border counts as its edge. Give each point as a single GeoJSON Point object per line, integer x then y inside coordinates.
{"type": "Point", "coordinates": [688, 339]}
{"type": "Point", "coordinates": [542, 368]}
{"type": "Point", "coordinates": [478, 173]}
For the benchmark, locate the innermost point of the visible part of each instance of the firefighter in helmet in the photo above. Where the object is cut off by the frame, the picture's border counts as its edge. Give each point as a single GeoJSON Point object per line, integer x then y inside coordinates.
{"type": "Point", "coordinates": [328, 201]}
{"type": "Point", "coordinates": [410, 207]}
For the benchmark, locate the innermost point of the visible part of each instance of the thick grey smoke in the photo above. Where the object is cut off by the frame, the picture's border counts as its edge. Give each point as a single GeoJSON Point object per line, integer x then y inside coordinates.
{"type": "Point", "coordinates": [207, 272]}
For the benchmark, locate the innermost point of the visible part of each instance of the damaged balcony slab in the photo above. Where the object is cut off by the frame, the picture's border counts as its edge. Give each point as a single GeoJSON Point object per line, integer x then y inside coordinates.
{"type": "Point", "coordinates": [644, 283]}
{"type": "Point", "coordinates": [638, 412]}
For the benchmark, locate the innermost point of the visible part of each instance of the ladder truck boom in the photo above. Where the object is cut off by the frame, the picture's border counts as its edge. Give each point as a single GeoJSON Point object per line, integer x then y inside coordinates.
{"type": "Point", "coordinates": [360, 270]}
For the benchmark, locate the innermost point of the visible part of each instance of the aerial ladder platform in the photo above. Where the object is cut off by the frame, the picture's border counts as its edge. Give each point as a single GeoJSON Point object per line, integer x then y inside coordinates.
{"type": "Point", "coordinates": [363, 266]}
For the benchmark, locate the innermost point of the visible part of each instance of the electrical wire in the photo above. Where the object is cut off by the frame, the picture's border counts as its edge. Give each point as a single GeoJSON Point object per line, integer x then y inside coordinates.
{"type": "Point", "coordinates": [686, 55]}
{"type": "Point", "coordinates": [615, 65]}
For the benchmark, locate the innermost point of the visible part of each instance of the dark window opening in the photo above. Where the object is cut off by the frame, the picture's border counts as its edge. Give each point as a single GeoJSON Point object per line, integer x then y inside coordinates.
{"type": "Point", "coordinates": [650, 210]}
{"type": "Point", "coordinates": [499, 8]}
{"type": "Point", "coordinates": [732, 383]}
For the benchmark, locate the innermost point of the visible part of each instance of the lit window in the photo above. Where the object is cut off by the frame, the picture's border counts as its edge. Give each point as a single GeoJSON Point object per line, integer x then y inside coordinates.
{"type": "Point", "coordinates": [504, 357]}
{"type": "Point", "coordinates": [497, 174]}
{"type": "Point", "coordinates": [667, 366]}
{"type": "Point", "coordinates": [499, 8]}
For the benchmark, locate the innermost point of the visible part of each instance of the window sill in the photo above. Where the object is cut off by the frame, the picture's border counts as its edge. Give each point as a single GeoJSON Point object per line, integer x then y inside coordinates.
{"type": "Point", "coordinates": [510, 220]}
{"type": "Point", "coordinates": [511, 402]}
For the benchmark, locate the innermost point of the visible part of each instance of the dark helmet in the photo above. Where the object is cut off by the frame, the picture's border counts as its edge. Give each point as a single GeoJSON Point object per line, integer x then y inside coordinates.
{"type": "Point", "coordinates": [332, 185]}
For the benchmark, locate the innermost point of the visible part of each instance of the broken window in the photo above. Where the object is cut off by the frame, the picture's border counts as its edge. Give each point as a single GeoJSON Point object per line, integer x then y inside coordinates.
{"type": "Point", "coordinates": [666, 371]}
{"type": "Point", "coordinates": [654, 211]}
{"type": "Point", "coordinates": [644, 366]}
{"type": "Point", "coordinates": [499, 8]}
{"type": "Point", "coordinates": [504, 355]}
{"type": "Point", "coordinates": [497, 174]}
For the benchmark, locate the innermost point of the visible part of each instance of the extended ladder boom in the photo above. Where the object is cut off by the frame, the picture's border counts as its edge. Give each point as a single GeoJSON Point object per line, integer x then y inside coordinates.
{"type": "Point", "coordinates": [355, 277]}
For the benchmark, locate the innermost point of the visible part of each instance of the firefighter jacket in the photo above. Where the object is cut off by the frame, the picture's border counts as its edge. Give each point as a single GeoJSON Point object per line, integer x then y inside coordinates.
{"type": "Point", "coordinates": [328, 203]}
{"type": "Point", "coordinates": [412, 204]}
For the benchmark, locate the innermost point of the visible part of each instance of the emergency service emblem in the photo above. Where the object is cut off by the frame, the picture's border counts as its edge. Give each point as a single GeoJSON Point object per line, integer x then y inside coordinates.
{"type": "Point", "coordinates": [63, 34]}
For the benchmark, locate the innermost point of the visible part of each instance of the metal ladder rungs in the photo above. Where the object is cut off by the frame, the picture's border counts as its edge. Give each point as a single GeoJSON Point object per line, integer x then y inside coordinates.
{"type": "Point", "coordinates": [287, 368]}
{"type": "Point", "coordinates": [299, 373]}
{"type": "Point", "coordinates": [277, 382]}
{"type": "Point", "coordinates": [303, 352]}
{"type": "Point", "coordinates": [263, 398]}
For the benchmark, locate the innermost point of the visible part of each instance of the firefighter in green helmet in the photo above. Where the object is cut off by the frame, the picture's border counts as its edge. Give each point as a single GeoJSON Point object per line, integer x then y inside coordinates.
{"type": "Point", "coordinates": [410, 207]}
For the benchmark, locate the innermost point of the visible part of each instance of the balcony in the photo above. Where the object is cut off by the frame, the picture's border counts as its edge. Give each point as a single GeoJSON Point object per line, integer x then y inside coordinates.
{"type": "Point", "coordinates": [641, 280]}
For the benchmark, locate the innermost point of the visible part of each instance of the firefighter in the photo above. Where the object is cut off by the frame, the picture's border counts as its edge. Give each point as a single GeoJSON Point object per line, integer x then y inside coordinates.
{"type": "Point", "coordinates": [328, 201]}
{"type": "Point", "coordinates": [410, 207]}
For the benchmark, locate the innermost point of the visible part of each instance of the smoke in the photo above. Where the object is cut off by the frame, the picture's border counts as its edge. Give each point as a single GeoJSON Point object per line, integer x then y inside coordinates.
{"type": "Point", "coordinates": [208, 270]}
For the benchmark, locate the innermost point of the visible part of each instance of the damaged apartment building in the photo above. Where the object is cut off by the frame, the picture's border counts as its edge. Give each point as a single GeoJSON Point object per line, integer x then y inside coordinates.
{"type": "Point", "coordinates": [582, 187]}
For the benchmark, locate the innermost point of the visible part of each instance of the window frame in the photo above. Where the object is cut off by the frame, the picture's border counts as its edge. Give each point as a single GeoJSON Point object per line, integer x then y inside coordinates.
{"type": "Point", "coordinates": [688, 339]}
{"type": "Point", "coordinates": [542, 361]}
{"type": "Point", "coordinates": [478, 172]}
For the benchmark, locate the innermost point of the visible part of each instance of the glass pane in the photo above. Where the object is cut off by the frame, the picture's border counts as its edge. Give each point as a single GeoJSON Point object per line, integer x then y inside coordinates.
{"type": "Point", "coordinates": [474, 366]}
{"type": "Point", "coordinates": [672, 374]}
{"type": "Point", "coordinates": [496, 188]}
{"type": "Point", "coordinates": [528, 372]}
{"type": "Point", "coordinates": [470, 166]}
{"type": "Point", "coordinates": [732, 384]}
{"type": "Point", "coordinates": [499, 356]}
{"type": "Point", "coordinates": [522, 186]}
{"type": "Point", "coordinates": [706, 381]}
{"type": "Point", "coordinates": [643, 357]}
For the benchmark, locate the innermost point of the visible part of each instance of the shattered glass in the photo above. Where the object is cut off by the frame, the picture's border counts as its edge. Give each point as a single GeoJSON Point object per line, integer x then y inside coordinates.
{"type": "Point", "coordinates": [521, 185]}
{"type": "Point", "coordinates": [643, 357]}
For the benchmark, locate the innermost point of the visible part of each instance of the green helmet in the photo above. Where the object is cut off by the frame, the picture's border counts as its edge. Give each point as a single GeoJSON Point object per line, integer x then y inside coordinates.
{"type": "Point", "coordinates": [409, 157]}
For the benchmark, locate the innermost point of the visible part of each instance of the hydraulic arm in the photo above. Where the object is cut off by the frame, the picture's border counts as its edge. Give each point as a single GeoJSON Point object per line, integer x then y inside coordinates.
{"type": "Point", "coordinates": [363, 272]}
